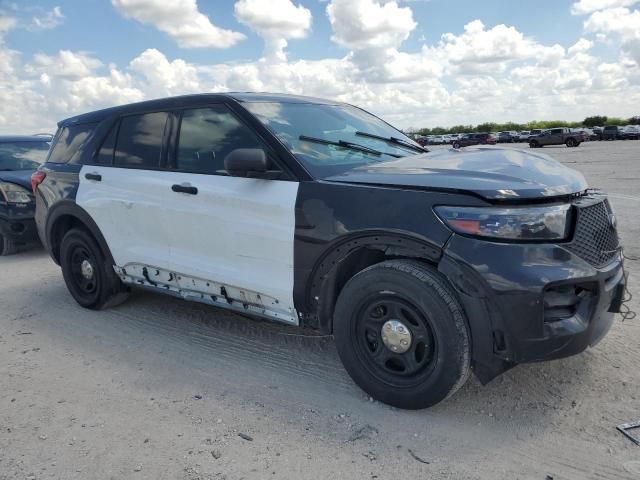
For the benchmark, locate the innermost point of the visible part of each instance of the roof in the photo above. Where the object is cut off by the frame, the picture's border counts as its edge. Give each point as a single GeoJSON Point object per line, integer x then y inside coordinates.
{"type": "Point", "coordinates": [187, 100]}
{"type": "Point", "coordinates": [24, 138]}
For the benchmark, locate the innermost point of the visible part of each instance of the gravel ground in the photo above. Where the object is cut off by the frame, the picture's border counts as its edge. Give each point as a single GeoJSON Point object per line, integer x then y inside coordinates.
{"type": "Point", "coordinates": [159, 388]}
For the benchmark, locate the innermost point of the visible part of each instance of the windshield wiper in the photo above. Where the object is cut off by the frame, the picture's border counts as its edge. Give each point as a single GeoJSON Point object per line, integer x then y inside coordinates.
{"type": "Point", "coordinates": [395, 141]}
{"type": "Point", "coordinates": [345, 144]}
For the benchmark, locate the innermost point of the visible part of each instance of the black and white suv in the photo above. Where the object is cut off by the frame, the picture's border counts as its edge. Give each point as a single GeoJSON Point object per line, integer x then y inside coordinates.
{"type": "Point", "coordinates": [319, 214]}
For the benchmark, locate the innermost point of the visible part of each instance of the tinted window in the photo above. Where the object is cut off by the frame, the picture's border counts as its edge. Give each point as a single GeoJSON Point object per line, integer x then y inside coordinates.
{"type": "Point", "coordinates": [207, 136]}
{"type": "Point", "coordinates": [105, 154]}
{"type": "Point", "coordinates": [140, 140]}
{"type": "Point", "coordinates": [556, 130]}
{"type": "Point", "coordinates": [22, 155]}
{"type": "Point", "coordinates": [67, 142]}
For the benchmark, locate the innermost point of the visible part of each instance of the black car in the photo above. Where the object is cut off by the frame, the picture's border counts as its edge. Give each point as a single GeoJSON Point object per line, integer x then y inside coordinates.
{"type": "Point", "coordinates": [19, 158]}
{"type": "Point", "coordinates": [423, 266]}
{"type": "Point", "coordinates": [613, 132]}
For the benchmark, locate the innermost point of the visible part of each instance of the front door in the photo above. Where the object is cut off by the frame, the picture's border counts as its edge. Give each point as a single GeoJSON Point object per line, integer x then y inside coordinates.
{"type": "Point", "coordinates": [231, 238]}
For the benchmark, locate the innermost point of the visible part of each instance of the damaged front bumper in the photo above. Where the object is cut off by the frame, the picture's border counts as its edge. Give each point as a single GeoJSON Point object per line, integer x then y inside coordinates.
{"type": "Point", "coordinates": [531, 302]}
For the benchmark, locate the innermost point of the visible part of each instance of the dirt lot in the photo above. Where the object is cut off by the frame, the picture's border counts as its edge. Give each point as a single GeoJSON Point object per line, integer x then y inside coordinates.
{"type": "Point", "coordinates": [161, 389]}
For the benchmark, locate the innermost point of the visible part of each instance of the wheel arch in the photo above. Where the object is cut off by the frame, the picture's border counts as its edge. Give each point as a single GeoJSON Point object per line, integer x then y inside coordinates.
{"type": "Point", "coordinates": [350, 254]}
{"type": "Point", "coordinates": [65, 216]}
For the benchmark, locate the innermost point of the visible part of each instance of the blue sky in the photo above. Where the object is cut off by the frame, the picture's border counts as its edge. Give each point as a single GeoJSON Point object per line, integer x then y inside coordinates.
{"type": "Point", "coordinates": [416, 62]}
{"type": "Point", "coordinates": [95, 26]}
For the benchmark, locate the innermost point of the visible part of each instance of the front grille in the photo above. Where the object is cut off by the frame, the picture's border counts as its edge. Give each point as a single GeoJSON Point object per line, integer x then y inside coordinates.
{"type": "Point", "coordinates": [595, 239]}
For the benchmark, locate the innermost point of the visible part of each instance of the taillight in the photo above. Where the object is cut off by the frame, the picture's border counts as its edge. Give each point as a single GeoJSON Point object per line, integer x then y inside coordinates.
{"type": "Point", "coordinates": [37, 178]}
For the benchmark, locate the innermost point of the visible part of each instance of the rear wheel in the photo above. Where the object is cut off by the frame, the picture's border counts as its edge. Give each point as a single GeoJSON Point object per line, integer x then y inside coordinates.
{"type": "Point", "coordinates": [571, 142]}
{"type": "Point", "coordinates": [7, 247]}
{"type": "Point", "coordinates": [456, 145]}
{"type": "Point", "coordinates": [534, 144]}
{"type": "Point", "coordinates": [90, 278]}
{"type": "Point", "coordinates": [402, 335]}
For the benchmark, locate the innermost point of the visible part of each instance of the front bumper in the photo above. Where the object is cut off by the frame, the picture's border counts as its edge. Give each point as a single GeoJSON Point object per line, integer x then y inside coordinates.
{"type": "Point", "coordinates": [17, 223]}
{"type": "Point", "coordinates": [531, 302]}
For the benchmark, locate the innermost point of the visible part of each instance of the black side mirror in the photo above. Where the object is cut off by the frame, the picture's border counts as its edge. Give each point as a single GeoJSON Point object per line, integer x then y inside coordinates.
{"type": "Point", "coordinates": [249, 163]}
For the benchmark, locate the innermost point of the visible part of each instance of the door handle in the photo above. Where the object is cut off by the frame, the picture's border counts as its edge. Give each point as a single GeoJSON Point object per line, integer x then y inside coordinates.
{"type": "Point", "coordinates": [93, 176]}
{"type": "Point", "coordinates": [185, 189]}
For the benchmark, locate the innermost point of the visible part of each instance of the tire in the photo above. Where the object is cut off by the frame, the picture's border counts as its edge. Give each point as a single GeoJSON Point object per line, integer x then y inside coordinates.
{"type": "Point", "coordinates": [96, 286]}
{"type": "Point", "coordinates": [437, 362]}
{"type": "Point", "coordinates": [571, 142]}
{"type": "Point", "coordinates": [533, 144]}
{"type": "Point", "coordinates": [456, 145]}
{"type": "Point", "coordinates": [7, 246]}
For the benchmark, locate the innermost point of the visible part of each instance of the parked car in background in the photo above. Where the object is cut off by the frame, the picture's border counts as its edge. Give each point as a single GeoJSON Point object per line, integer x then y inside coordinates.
{"type": "Point", "coordinates": [598, 132]}
{"type": "Point", "coordinates": [19, 158]}
{"type": "Point", "coordinates": [422, 140]}
{"type": "Point", "coordinates": [475, 139]}
{"type": "Point", "coordinates": [302, 211]}
{"type": "Point", "coordinates": [437, 140]}
{"type": "Point", "coordinates": [505, 137]}
{"type": "Point", "coordinates": [524, 136]}
{"type": "Point", "coordinates": [613, 132]}
{"type": "Point", "coordinates": [631, 132]}
{"type": "Point", "coordinates": [556, 136]}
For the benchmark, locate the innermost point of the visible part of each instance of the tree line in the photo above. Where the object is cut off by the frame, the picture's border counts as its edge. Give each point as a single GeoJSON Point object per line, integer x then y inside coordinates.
{"type": "Point", "coordinates": [595, 121]}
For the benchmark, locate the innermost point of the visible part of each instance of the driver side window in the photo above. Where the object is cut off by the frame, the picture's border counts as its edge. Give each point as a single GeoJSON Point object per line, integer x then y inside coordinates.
{"type": "Point", "coordinates": [207, 136]}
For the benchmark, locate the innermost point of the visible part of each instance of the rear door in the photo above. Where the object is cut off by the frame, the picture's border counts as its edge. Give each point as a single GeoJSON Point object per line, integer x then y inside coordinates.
{"type": "Point", "coordinates": [231, 238]}
{"type": "Point", "coordinates": [125, 191]}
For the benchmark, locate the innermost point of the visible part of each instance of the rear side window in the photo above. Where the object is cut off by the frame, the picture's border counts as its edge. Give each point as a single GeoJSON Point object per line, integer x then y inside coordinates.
{"type": "Point", "coordinates": [68, 140]}
{"type": "Point", "coordinates": [556, 130]}
{"type": "Point", "coordinates": [139, 143]}
{"type": "Point", "coordinates": [207, 136]}
{"type": "Point", "coordinates": [105, 154]}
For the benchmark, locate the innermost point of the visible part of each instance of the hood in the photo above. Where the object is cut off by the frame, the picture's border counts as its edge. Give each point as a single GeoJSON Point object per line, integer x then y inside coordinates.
{"type": "Point", "coordinates": [491, 172]}
{"type": "Point", "coordinates": [20, 177]}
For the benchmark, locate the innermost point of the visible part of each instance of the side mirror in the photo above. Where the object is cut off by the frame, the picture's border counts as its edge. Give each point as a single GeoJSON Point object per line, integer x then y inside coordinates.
{"type": "Point", "coordinates": [246, 162]}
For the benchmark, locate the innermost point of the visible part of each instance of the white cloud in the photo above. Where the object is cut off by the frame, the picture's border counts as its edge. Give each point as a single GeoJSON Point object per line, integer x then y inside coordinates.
{"type": "Point", "coordinates": [582, 45]}
{"type": "Point", "coordinates": [621, 22]}
{"type": "Point", "coordinates": [276, 21]}
{"type": "Point", "coordinates": [181, 20]}
{"type": "Point", "coordinates": [477, 74]}
{"type": "Point", "coordinates": [482, 50]}
{"type": "Point", "coordinates": [50, 19]}
{"type": "Point", "coordinates": [165, 78]}
{"type": "Point", "coordinates": [365, 24]}
{"type": "Point", "coordinates": [584, 7]}
{"type": "Point", "coordinates": [7, 23]}
{"type": "Point", "coordinates": [66, 64]}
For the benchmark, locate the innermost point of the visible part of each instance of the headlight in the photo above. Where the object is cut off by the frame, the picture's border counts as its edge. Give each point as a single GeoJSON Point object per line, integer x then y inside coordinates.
{"type": "Point", "coordinates": [13, 193]}
{"type": "Point", "coordinates": [529, 223]}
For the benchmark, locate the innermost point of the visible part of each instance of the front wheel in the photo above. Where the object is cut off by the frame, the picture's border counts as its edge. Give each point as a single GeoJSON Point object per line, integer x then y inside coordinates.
{"type": "Point", "coordinates": [534, 144]}
{"type": "Point", "coordinates": [401, 334]}
{"type": "Point", "coordinates": [572, 143]}
{"type": "Point", "coordinates": [456, 145]}
{"type": "Point", "coordinates": [90, 279]}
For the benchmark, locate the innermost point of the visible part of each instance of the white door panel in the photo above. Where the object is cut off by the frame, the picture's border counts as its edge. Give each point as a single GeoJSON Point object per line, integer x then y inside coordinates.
{"type": "Point", "coordinates": [236, 231]}
{"type": "Point", "coordinates": [128, 207]}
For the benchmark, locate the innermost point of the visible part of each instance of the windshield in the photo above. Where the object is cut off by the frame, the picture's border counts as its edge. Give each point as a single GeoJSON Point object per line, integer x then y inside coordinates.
{"type": "Point", "coordinates": [22, 155]}
{"type": "Point", "coordinates": [347, 135]}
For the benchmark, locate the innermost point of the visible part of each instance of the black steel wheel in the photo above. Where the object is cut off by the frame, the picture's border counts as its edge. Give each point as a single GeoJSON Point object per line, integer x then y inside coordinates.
{"type": "Point", "coordinates": [89, 277]}
{"type": "Point", "coordinates": [394, 339]}
{"type": "Point", "coordinates": [402, 335]}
